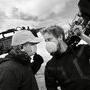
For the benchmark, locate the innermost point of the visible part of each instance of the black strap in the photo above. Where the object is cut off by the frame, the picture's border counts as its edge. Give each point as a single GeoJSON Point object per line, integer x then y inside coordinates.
{"type": "Point", "coordinates": [76, 63]}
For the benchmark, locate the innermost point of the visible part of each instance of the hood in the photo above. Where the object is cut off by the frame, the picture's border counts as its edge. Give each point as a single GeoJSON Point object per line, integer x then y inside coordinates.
{"type": "Point", "coordinates": [19, 56]}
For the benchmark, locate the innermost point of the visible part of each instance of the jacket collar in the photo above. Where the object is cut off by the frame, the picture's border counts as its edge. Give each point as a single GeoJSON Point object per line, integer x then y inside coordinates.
{"type": "Point", "coordinates": [57, 55]}
{"type": "Point", "coordinates": [19, 56]}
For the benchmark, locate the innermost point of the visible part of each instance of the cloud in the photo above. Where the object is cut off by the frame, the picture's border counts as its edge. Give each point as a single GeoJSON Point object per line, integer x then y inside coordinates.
{"type": "Point", "coordinates": [33, 9]}
{"type": "Point", "coordinates": [2, 17]}
{"type": "Point", "coordinates": [42, 8]}
{"type": "Point", "coordinates": [42, 12]}
{"type": "Point", "coordinates": [22, 15]}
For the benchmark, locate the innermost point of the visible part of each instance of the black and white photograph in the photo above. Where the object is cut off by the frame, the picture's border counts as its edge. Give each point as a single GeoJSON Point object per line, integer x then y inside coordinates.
{"type": "Point", "coordinates": [44, 44]}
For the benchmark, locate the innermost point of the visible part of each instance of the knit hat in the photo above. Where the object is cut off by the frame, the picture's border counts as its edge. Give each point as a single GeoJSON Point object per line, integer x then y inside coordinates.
{"type": "Point", "coordinates": [24, 36]}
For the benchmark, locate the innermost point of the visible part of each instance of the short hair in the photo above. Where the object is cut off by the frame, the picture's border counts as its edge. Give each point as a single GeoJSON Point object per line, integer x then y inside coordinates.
{"type": "Point", "coordinates": [55, 30]}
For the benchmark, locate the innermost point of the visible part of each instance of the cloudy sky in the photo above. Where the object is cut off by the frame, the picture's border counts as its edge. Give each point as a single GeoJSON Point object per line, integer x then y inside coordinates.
{"type": "Point", "coordinates": [36, 12]}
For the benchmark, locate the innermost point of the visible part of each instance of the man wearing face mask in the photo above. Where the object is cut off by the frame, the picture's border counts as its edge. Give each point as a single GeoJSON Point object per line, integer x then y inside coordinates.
{"type": "Point", "coordinates": [69, 67]}
{"type": "Point", "coordinates": [16, 71]}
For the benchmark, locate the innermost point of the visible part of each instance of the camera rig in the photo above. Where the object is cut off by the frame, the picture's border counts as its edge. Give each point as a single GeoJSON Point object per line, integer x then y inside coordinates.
{"type": "Point", "coordinates": [81, 19]}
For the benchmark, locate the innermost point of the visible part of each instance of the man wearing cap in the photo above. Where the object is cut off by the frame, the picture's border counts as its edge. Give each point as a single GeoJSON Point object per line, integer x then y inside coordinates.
{"type": "Point", "coordinates": [15, 68]}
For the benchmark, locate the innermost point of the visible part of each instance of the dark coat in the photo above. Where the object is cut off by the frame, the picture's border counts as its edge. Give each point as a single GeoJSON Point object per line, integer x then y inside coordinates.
{"type": "Point", "coordinates": [63, 71]}
{"type": "Point", "coordinates": [16, 72]}
{"type": "Point", "coordinates": [37, 62]}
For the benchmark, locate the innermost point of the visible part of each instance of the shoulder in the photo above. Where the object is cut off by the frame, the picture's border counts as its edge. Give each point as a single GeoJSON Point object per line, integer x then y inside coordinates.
{"type": "Point", "coordinates": [87, 49]}
{"type": "Point", "coordinates": [9, 64]}
{"type": "Point", "coordinates": [50, 62]}
{"type": "Point", "coordinates": [85, 46]}
{"type": "Point", "coordinates": [50, 65]}
{"type": "Point", "coordinates": [78, 47]}
{"type": "Point", "coordinates": [9, 71]}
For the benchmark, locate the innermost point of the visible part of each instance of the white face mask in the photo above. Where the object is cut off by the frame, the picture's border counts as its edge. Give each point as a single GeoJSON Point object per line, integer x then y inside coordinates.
{"type": "Point", "coordinates": [51, 47]}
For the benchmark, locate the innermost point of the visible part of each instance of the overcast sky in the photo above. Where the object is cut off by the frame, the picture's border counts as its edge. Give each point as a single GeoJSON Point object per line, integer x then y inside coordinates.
{"type": "Point", "coordinates": [36, 12]}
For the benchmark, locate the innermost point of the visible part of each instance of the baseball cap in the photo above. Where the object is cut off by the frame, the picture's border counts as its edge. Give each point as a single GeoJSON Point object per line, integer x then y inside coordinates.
{"type": "Point", "coordinates": [24, 36]}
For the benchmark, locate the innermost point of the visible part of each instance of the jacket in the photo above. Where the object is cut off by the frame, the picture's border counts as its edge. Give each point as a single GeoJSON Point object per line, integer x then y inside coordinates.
{"type": "Point", "coordinates": [16, 72]}
{"type": "Point", "coordinates": [37, 62]}
{"type": "Point", "coordinates": [69, 71]}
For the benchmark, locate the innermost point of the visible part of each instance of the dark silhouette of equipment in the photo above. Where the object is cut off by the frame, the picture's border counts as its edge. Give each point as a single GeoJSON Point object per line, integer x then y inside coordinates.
{"type": "Point", "coordinates": [83, 21]}
{"type": "Point", "coordinates": [84, 7]}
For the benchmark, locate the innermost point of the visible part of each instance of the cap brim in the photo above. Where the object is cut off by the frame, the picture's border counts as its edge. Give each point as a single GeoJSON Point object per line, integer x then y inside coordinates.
{"type": "Point", "coordinates": [35, 40]}
{"type": "Point", "coordinates": [32, 41]}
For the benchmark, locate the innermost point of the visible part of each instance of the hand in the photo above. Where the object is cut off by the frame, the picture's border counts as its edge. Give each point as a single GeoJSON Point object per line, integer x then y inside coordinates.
{"type": "Point", "coordinates": [78, 30]}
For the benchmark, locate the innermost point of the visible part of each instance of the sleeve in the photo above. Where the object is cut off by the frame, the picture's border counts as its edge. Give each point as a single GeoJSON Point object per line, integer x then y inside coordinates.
{"type": "Point", "coordinates": [34, 83]}
{"type": "Point", "coordinates": [50, 80]}
{"type": "Point", "coordinates": [7, 80]}
{"type": "Point", "coordinates": [38, 60]}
